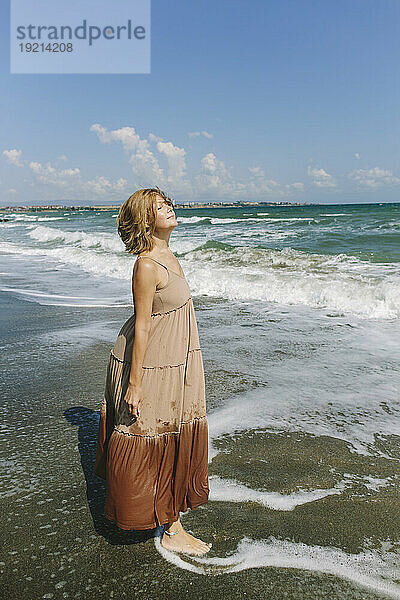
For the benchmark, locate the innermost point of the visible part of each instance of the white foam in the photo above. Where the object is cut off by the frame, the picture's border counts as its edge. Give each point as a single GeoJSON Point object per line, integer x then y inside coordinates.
{"type": "Point", "coordinates": [176, 560]}
{"type": "Point", "coordinates": [74, 338]}
{"type": "Point", "coordinates": [229, 490]}
{"type": "Point", "coordinates": [50, 219]}
{"type": "Point", "coordinates": [373, 570]}
{"type": "Point", "coordinates": [193, 219]}
{"type": "Point", "coordinates": [354, 415]}
{"type": "Point", "coordinates": [278, 219]}
{"type": "Point", "coordinates": [286, 277]}
{"type": "Point", "coordinates": [30, 218]}
{"type": "Point", "coordinates": [46, 299]}
{"type": "Point", "coordinates": [39, 293]}
{"type": "Point", "coordinates": [96, 263]}
{"type": "Point", "coordinates": [23, 217]}
{"type": "Point", "coordinates": [291, 277]}
{"type": "Point", "coordinates": [225, 220]}
{"type": "Point", "coordinates": [375, 483]}
{"type": "Point", "coordinates": [101, 240]}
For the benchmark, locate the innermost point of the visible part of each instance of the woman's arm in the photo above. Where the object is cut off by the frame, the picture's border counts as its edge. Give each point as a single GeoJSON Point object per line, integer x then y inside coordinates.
{"type": "Point", "coordinates": [144, 282]}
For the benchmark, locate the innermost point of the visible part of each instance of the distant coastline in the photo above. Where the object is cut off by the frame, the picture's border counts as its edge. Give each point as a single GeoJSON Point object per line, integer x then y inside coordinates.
{"type": "Point", "coordinates": [189, 205]}
{"type": "Point", "coordinates": [176, 205]}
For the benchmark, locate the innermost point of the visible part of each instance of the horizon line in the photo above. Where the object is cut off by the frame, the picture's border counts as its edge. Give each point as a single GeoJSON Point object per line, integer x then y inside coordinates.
{"type": "Point", "coordinates": [195, 204]}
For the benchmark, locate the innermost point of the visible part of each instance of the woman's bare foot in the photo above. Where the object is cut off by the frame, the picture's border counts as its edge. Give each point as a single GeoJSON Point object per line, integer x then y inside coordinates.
{"type": "Point", "coordinates": [182, 541]}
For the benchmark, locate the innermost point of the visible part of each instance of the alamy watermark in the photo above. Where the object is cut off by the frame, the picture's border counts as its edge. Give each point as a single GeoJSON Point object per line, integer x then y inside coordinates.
{"type": "Point", "coordinates": [80, 37]}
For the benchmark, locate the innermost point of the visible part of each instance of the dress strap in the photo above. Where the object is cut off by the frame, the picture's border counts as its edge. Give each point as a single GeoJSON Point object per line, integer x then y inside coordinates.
{"type": "Point", "coordinates": [154, 261]}
{"type": "Point", "coordinates": [168, 269]}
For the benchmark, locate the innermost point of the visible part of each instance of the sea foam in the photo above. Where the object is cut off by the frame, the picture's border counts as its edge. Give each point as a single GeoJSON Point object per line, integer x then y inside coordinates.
{"type": "Point", "coordinates": [372, 570]}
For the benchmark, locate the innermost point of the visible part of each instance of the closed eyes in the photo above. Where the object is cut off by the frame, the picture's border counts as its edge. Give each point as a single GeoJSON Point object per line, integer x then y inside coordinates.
{"type": "Point", "coordinates": [161, 205]}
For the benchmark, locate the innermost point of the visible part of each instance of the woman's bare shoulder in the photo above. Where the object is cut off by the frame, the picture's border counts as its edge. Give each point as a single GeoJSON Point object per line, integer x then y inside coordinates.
{"type": "Point", "coordinates": [144, 269]}
{"type": "Point", "coordinates": [147, 271]}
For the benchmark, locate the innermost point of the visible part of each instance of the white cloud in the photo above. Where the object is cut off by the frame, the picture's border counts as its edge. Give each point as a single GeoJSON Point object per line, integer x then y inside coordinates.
{"type": "Point", "coordinates": [357, 156]}
{"type": "Point", "coordinates": [14, 157]}
{"type": "Point", "coordinates": [70, 180]}
{"type": "Point", "coordinates": [373, 178]}
{"type": "Point", "coordinates": [100, 185]}
{"type": "Point", "coordinates": [146, 167]}
{"type": "Point", "coordinates": [257, 171]}
{"type": "Point", "coordinates": [12, 191]}
{"type": "Point", "coordinates": [144, 164]}
{"type": "Point", "coordinates": [155, 138]}
{"type": "Point", "coordinates": [295, 187]}
{"type": "Point", "coordinates": [156, 161]}
{"type": "Point", "coordinates": [321, 178]}
{"type": "Point", "coordinates": [176, 161]}
{"type": "Point", "coordinates": [50, 175]}
{"type": "Point", "coordinates": [205, 134]}
{"type": "Point", "coordinates": [212, 165]}
{"type": "Point", "coordinates": [269, 186]}
{"type": "Point", "coordinates": [126, 135]}
{"type": "Point", "coordinates": [145, 159]}
{"type": "Point", "coordinates": [216, 178]}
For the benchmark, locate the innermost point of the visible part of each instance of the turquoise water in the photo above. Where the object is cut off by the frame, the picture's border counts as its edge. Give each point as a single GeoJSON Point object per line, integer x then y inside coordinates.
{"type": "Point", "coordinates": [342, 257]}
{"type": "Point", "coordinates": [370, 232]}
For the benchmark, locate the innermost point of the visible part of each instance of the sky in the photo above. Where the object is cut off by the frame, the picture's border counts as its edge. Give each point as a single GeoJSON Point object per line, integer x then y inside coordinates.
{"type": "Point", "coordinates": [289, 100]}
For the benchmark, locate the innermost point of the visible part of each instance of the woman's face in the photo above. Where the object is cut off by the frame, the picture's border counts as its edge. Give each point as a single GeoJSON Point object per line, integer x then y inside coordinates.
{"type": "Point", "coordinates": [165, 215]}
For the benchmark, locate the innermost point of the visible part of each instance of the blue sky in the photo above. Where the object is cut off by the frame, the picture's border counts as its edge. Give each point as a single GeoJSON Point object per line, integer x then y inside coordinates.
{"type": "Point", "coordinates": [289, 100]}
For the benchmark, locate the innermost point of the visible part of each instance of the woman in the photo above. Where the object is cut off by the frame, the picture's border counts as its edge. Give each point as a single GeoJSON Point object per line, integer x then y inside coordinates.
{"type": "Point", "coordinates": [153, 433]}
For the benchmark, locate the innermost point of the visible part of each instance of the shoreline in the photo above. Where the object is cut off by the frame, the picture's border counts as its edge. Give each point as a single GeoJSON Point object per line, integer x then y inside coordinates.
{"type": "Point", "coordinates": [59, 544]}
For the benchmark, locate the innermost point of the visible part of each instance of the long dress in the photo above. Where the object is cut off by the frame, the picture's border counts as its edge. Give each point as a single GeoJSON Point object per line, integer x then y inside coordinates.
{"type": "Point", "coordinates": [156, 466]}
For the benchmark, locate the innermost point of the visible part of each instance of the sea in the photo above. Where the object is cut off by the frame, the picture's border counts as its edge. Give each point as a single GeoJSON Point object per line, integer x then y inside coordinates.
{"type": "Point", "coordinates": [298, 309]}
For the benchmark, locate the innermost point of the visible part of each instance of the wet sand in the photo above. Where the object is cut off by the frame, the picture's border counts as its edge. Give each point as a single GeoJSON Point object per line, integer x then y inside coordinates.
{"type": "Point", "coordinates": [57, 542]}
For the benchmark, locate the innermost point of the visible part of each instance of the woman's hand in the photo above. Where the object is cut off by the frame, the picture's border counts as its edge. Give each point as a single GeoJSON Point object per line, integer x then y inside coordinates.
{"type": "Point", "coordinates": [133, 398]}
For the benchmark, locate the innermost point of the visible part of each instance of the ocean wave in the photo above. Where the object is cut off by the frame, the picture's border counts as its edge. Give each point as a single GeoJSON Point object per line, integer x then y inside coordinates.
{"type": "Point", "coordinates": [289, 277]}
{"type": "Point", "coordinates": [374, 570]}
{"type": "Point", "coordinates": [292, 277]}
{"type": "Point", "coordinates": [47, 299]}
{"type": "Point", "coordinates": [278, 219]}
{"type": "Point", "coordinates": [90, 261]}
{"type": "Point", "coordinates": [101, 240]}
{"type": "Point", "coordinates": [193, 219]}
{"type": "Point", "coordinates": [32, 218]}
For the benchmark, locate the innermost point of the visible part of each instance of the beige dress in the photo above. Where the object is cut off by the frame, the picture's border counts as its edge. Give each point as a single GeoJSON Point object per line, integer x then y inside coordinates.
{"type": "Point", "coordinates": [156, 466]}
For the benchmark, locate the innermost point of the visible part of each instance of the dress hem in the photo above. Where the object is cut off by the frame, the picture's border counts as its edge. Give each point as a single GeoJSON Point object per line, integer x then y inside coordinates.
{"type": "Point", "coordinates": [154, 525]}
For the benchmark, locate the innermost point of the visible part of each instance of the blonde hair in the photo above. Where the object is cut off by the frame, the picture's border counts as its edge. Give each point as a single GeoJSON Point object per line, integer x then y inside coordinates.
{"type": "Point", "coordinates": [136, 220]}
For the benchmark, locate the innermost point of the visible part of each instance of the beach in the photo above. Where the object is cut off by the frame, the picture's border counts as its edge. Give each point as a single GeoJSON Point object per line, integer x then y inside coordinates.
{"type": "Point", "coordinates": [299, 321]}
